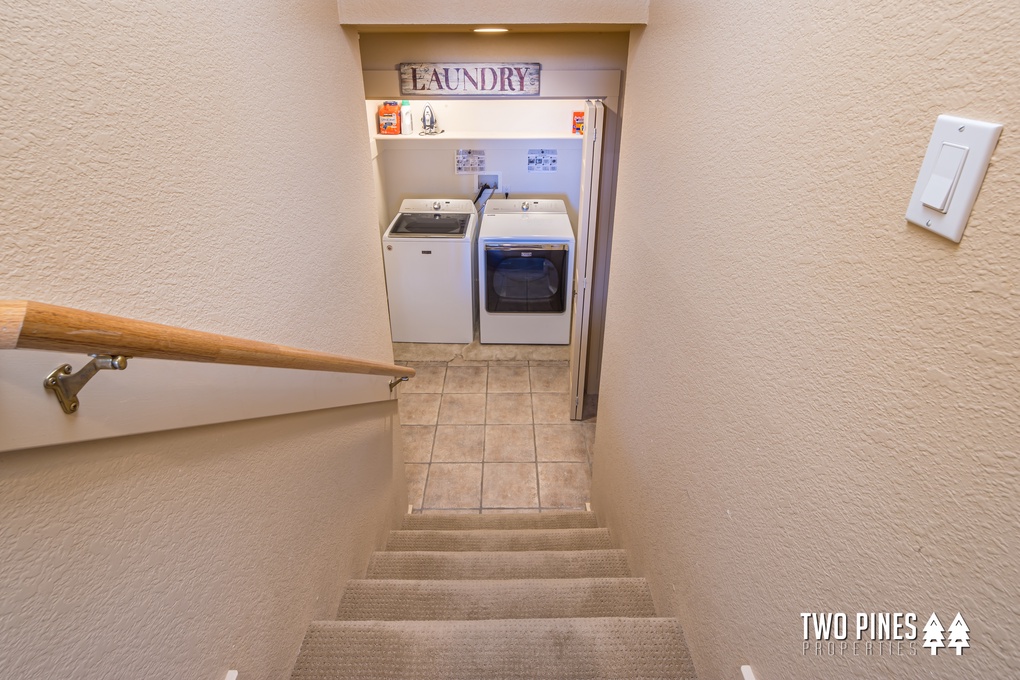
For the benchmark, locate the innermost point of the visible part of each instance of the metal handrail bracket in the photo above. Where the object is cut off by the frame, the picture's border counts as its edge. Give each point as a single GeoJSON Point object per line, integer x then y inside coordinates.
{"type": "Point", "coordinates": [66, 385]}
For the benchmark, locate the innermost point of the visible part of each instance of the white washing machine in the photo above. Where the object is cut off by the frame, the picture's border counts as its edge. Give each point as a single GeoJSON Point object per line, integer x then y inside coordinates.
{"type": "Point", "coordinates": [525, 272]}
{"type": "Point", "coordinates": [428, 252]}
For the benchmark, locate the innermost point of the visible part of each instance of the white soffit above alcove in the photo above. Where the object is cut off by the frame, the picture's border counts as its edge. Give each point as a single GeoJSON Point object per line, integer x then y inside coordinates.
{"type": "Point", "coordinates": [521, 15]}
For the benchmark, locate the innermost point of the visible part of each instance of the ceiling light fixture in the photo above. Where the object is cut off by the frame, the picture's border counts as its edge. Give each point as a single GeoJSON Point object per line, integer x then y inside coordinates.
{"type": "Point", "coordinates": [491, 30]}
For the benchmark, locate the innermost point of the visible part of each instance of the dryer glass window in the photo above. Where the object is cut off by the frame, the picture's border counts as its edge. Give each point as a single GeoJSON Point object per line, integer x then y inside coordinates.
{"type": "Point", "coordinates": [525, 278]}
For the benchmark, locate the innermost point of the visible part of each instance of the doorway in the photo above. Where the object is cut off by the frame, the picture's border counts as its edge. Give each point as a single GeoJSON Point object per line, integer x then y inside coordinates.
{"type": "Point", "coordinates": [575, 67]}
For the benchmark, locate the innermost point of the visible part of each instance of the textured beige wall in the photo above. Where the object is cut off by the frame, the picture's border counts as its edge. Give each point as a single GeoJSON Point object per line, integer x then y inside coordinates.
{"type": "Point", "coordinates": [192, 164]}
{"type": "Point", "coordinates": [198, 164]}
{"type": "Point", "coordinates": [187, 553]}
{"type": "Point", "coordinates": [808, 404]}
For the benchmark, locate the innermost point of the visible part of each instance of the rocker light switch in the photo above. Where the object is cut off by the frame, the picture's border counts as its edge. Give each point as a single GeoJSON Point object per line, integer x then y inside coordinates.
{"type": "Point", "coordinates": [944, 177]}
{"type": "Point", "coordinates": [951, 175]}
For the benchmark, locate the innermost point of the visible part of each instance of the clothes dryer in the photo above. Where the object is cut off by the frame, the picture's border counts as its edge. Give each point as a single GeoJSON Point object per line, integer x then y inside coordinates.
{"type": "Point", "coordinates": [525, 272]}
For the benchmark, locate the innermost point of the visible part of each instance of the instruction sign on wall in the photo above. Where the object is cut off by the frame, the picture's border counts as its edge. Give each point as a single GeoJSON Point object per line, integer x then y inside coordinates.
{"type": "Point", "coordinates": [470, 161]}
{"type": "Point", "coordinates": [542, 160]}
{"type": "Point", "coordinates": [446, 79]}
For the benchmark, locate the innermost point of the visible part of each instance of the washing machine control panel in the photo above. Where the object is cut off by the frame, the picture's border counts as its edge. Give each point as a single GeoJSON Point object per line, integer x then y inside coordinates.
{"type": "Point", "coordinates": [437, 205]}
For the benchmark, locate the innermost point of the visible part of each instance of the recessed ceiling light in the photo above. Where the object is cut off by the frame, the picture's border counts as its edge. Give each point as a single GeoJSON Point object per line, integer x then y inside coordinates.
{"type": "Point", "coordinates": [491, 30]}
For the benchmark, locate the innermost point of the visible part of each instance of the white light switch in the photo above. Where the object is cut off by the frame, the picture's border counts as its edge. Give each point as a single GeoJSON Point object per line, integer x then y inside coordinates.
{"type": "Point", "coordinates": [944, 177]}
{"type": "Point", "coordinates": [951, 175]}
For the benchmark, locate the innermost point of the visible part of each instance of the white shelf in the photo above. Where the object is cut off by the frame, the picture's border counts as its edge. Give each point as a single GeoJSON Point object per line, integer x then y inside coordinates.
{"type": "Point", "coordinates": [489, 140]}
{"type": "Point", "coordinates": [476, 135]}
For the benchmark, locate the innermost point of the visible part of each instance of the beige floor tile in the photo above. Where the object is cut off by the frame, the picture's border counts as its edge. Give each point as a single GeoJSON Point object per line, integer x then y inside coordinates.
{"type": "Point", "coordinates": [561, 443]}
{"type": "Point", "coordinates": [507, 511]}
{"type": "Point", "coordinates": [428, 378]}
{"type": "Point", "coordinates": [459, 444]}
{"type": "Point", "coordinates": [419, 352]}
{"type": "Point", "coordinates": [550, 379]}
{"type": "Point", "coordinates": [462, 409]}
{"type": "Point", "coordinates": [508, 379]}
{"type": "Point", "coordinates": [415, 474]}
{"type": "Point", "coordinates": [551, 408]}
{"type": "Point", "coordinates": [417, 441]}
{"type": "Point", "coordinates": [546, 362]}
{"type": "Point", "coordinates": [419, 409]}
{"type": "Point", "coordinates": [449, 511]}
{"type": "Point", "coordinates": [511, 362]}
{"type": "Point", "coordinates": [465, 379]}
{"type": "Point", "coordinates": [563, 485]}
{"type": "Point", "coordinates": [508, 409]}
{"type": "Point", "coordinates": [454, 485]}
{"type": "Point", "coordinates": [509, 443]}
{"type": "Point", "coordinates": [460, 361]}
{"type": "Point", "coordinates": [509, 485]}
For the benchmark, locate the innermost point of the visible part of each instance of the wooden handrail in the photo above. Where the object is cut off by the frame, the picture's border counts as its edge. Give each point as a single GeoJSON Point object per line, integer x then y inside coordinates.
{"type": "Point", "coordinates": [25, 324]}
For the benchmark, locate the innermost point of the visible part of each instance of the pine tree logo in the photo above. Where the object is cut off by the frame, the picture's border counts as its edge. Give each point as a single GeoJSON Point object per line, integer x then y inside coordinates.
{"type": "Point", "coordinates": [933, 634]}
{"type": "Point", "coordinates": [959, 634]}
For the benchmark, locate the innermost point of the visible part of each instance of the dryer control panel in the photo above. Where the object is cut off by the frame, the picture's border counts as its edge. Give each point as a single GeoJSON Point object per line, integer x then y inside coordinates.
{"type": "Point", "coordinates": [499, 206]}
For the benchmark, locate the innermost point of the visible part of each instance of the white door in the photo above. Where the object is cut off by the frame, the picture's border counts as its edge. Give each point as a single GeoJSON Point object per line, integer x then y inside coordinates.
{"type": "Point", "coordinates": [584, 256]}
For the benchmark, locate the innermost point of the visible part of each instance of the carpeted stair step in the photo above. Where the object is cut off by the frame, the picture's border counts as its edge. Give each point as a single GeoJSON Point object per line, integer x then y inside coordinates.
{"type": "Point", "coordinates": [388, 600]}
{"type": "Point", "coordinates": [498, 565]}
{"type": "Point", "coordinates": [501, 540]}
{"type": "Point", "coordinates": [524, 649]}
{"type": "Point", "coordinates": [523, 520]}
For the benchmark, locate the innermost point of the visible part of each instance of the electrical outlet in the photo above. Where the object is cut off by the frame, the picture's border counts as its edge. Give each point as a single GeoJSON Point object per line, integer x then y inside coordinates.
{"type": "Point", "coordinates": [747, 673]}
{"type": "Point", "coordinates": [493, 179]}
{"type": "Point", "coordinates": [231, 675]}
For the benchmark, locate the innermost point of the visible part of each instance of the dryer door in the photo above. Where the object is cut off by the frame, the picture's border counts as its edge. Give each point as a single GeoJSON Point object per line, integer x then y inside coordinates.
{"type": "Point", "coordinates": [526, 278]}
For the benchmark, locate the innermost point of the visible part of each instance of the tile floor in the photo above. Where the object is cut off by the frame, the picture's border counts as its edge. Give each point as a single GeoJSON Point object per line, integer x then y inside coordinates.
{"type": "Point", "coordinates": [493, 436]}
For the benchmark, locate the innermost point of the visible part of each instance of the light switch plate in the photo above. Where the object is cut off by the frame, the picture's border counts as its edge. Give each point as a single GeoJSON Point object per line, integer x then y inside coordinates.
{"type": "Point", "coordinates": [979, 138]}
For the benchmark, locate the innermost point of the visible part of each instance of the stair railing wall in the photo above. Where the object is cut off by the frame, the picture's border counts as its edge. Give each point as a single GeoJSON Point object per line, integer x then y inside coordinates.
{"type": "Point", "coordinates": [174, 377]}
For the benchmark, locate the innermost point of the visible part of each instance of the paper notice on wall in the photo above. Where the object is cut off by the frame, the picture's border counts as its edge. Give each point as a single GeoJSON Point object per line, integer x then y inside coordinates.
{"type": "Point", "coordinates": [542, 160]}
{"type": "Point", "coordinates": [470, 161]}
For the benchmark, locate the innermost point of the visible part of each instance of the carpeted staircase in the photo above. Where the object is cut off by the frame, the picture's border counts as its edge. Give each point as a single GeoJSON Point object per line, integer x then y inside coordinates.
{"type": "Point", "coordinates": [470, 597]}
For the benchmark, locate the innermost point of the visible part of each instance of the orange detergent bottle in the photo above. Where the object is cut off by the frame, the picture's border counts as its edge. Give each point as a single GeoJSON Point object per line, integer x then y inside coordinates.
{"type": "Point", "coordinates": [578, 128]}
{"type": "Point", "coordinates": [389, 118]}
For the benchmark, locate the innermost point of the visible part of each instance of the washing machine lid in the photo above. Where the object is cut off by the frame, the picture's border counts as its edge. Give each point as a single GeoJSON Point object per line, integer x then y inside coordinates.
{"type": "Point", "coordinates": [418, 225]}
{"type": "Point", "coordinates": [434, 218]}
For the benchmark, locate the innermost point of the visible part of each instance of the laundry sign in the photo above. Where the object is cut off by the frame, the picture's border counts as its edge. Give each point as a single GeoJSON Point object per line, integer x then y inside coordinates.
{"type": "Point", "coordinates": [445, 79]}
